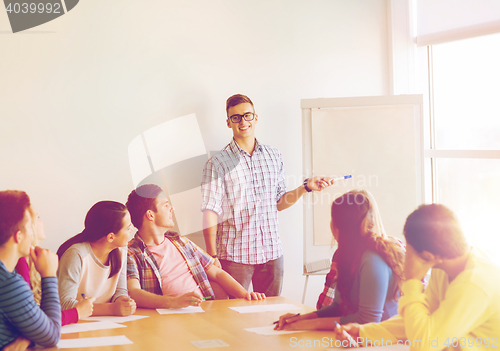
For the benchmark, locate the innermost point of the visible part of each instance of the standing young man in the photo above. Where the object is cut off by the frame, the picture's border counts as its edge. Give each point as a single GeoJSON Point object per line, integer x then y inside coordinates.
{"type": "Point", "coordinates": [243, 188]}
{"type": "Point", "coordinates": [460, 308]}
{"type": "Point", "coordinates": [166, 270]}
{"type": "Point", "coordinates": [21, 320]}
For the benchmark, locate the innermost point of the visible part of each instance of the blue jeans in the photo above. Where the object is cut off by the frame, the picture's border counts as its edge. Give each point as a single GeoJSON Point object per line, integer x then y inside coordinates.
{"type": "Point", "coordinates": [266, 278]}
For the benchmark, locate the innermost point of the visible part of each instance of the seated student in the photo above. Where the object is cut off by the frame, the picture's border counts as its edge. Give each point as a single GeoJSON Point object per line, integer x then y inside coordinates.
{"type": "Point", "coordinates": [21, 319]}
{"type": "Point", "coordinates": [166, 270]}
{"type": "Point", "coordinates": [461, 305]}
{"type": "Point", "coordinates": [369, 268]}
{"type": "Point", "coordinates": [92, 263]}
{"type": "Point", "coordinates": [27, 270]}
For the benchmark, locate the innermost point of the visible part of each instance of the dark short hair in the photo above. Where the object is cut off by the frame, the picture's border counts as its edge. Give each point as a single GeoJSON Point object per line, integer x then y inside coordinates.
{"type": "Point", "coordinates": [13, 206]}
{"type": "Point", "coordinates": [236, 100]}
{"type": "Point", "coordinates": [141, 200]}
{"type": "Point", "coordinates": [434, 228]}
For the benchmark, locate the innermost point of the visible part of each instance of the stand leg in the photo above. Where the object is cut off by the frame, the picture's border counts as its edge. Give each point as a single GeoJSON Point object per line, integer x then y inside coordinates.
{"type": "Point", "coordinates": [305, 289]}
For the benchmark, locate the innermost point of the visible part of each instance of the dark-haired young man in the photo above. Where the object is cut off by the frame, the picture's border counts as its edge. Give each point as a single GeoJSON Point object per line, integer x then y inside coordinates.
{"type": "Point", "coordinates": [164, 269]}
{"type": "Point", "coordinates": [243, 188]}
{"type": "Point", "coordinates": [460, 308]}
{"type": "Point", "coordinates": [21, 320]}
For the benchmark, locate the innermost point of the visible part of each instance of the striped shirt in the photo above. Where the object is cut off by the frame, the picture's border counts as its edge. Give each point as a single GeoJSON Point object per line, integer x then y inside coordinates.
{"type": "Point", "coordinates": [67, 316]}
{"type": "Point", "coordinates": [243, 190]}
{"type": "Point", "coordinates": [20, 315]}
{"type": "Point", "coordinates": [141, 264]}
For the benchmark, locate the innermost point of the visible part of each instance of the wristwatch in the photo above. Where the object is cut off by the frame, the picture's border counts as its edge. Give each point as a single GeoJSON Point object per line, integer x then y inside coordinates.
{"type": "Point", "coordinates": [305, 185]}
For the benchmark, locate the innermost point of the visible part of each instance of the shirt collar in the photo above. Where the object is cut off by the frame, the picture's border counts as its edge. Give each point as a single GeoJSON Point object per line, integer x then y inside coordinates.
{"type": "Point", "coordinates": [167, 234]}
{"type": "Point", "coordinates": [236, 148]}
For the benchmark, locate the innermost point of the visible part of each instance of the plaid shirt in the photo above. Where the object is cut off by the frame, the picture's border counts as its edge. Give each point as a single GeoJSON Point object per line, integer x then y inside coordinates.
{"type": "Point", "coordinates": [243, 191]}
{"type": "Point", "coordinates": [141, 264]}
{"type": "Point", "coordinates": [327, 297]}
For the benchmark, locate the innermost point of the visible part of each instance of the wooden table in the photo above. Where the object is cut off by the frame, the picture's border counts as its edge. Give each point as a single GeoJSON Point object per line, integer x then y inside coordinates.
{"type": "Point", "coordinates": [174, 332]}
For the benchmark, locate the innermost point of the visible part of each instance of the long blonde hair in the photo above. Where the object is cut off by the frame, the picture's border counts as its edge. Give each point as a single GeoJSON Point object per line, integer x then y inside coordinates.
{"type": "Point", "coordinates": [35, 278]}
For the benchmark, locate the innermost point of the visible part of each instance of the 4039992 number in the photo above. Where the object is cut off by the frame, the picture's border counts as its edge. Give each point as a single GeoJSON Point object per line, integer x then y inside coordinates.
{"type": "Point", "coordinates": [33, 7]}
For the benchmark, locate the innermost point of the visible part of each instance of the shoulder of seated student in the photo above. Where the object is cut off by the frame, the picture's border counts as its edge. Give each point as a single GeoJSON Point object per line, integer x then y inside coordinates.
{"type": "Point", "coordinates": [373, 258]}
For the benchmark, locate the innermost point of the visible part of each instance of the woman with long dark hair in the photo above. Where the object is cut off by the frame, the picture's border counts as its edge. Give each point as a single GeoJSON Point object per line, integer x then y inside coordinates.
{"type": "Point", "coordinates": [369, 268]}
{"type": "Point", "coordinates": [93, 263]}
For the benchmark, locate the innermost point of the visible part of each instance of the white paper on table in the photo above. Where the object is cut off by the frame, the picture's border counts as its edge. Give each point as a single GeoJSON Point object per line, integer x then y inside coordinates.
{"type": "Point", "coordinates": [202, 344]}
{"type": "Point", "coordinates": [380, 348]}
{"type": "Point", "coordinates": [189, 309]}
{"type": "Point", "coordinates": [266, 308]}
{"type": "Point", "coordinates": [269, 330]}
{"type": "Point", "coordinates": [115, 319]}
{"type": "Point", "coordinates": [94, 342]}
{"type": "Point", "coordinates": [83, 327]}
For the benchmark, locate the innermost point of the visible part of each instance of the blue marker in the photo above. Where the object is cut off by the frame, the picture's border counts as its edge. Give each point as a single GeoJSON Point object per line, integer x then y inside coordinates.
{"type": "Point", "coordinates": [342, 178]}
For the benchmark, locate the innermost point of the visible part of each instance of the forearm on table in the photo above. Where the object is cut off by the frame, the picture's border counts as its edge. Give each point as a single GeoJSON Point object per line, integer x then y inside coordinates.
{"type": "Point", "coordinates": [228, 283]}
{"type": "Point", "coordinates": [147, 299]}
{"type": "Point", "coordinates": [103, 309]}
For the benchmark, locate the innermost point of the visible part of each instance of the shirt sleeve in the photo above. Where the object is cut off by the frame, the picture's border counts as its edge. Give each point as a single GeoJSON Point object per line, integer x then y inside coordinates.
{"type": "Point", "coordinates": [23, 269]}
{"type": "Point", "coordinates": [375, 276]}
{"type": "Point", "coordinates": [281, 188]}
{"type": "Point", "coordinates": [457, 314]}
{"type": "Point", "coordinates": [69, 316]}
{"type": "Point", "coordinates": [132, 271]}
{"type": "Point", "coordinates": [392, 330]}
{"type": "Point", "coordinates": [121, 287]}
{"type": "Point", "coordinates": [330, 311]}
{"type": "Point", "coordinates": [70, 268]}
{"type": "Point", "coordinates": [41, 325]}
{"type": "Point", "coordinates": [205, 259]}
{"type": "Point", "coordinates": [212, 188]}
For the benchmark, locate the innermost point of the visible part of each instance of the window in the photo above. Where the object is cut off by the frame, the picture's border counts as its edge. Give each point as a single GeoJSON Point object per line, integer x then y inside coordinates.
{"type": "Point", "coordinates": [463, 159]}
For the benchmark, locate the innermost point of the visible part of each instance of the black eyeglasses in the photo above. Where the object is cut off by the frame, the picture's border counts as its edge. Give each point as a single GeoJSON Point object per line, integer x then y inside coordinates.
{"type": "Point", "coordinates": [249, 116]}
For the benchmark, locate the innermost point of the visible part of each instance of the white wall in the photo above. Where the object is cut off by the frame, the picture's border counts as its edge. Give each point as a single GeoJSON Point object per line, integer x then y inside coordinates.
{"type": "Point", "coordinates": [75, 91]}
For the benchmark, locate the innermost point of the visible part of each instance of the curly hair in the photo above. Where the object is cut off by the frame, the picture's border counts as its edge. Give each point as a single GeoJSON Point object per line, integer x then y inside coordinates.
{"type": "Point", "coordinates": [356, 216]}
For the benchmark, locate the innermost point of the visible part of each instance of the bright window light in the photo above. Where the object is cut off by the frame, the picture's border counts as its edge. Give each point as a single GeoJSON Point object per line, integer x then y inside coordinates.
{"type": "Point", "coordinates": [466, 83]}
{"type": "Point", "coordinates": [467, 93]}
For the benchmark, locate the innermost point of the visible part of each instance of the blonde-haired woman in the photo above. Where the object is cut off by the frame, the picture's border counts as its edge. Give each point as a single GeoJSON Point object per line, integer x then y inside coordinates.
{"type": "Point", "coordinates": [26, 269]}
{"type": "Point", "coordinates": [369, 268]}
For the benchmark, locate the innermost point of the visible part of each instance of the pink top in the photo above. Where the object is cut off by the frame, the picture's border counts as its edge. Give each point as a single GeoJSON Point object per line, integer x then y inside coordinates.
{"type": "Point", "coordinates": [176, 277]}
{"type": "Point", "coordinates": [67, 316]}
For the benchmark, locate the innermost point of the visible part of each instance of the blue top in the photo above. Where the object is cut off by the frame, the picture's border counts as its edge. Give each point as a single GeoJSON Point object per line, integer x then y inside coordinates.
{"type": "Point", "coordinates": [20, 315]}
{"type": "Point", "coordinates": [372, 293]}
